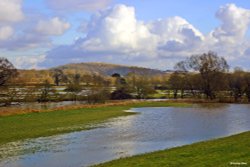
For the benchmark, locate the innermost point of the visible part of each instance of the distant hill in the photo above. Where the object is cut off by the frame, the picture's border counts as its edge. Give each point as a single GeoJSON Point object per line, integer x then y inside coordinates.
{"type": "Point", "coordinates": [102, 69]}
{"type": "Point", "coordinates": [107, 69]}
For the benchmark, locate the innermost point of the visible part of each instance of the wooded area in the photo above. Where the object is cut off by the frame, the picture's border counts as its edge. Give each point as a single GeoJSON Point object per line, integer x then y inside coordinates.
{"type": "Point", "coordinates": [203, 76]}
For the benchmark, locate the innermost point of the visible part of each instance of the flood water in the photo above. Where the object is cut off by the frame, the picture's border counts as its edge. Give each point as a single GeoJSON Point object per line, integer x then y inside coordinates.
{"type": "Point", "coordinates": [150, 130]}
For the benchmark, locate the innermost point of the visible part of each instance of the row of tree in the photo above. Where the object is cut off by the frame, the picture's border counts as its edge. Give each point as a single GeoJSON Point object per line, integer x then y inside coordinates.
{"type": "Point", "coordinates": [62, 78]}
{"type": "Point", "coordinates": [199, 76]}
{"type": "Point", "coordinates": [98, 88]}
{"type": "Point", "coordinates": [208, 75]}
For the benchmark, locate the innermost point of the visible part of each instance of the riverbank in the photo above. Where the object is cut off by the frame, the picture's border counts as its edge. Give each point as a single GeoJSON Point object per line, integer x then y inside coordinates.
{"type": "Point", "coordinates": [229, 151]}
{"type": "Point", "coordinates": [66, 119]}
{"type": "Point", "coordinates": [68, 105]}
{"type": "Point", "coordinates": [8, 111]}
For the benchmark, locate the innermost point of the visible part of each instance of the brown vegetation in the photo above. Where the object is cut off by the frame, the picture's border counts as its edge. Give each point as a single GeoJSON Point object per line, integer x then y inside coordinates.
{"type": "Point", "coordinates": [5, 111]}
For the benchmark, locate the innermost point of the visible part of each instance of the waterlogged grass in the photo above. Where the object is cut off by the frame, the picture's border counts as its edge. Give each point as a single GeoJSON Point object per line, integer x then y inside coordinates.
{"type": "Point", "coordinates": [32, 125]}
{"type": "Point", "coordinates": [229, 151]}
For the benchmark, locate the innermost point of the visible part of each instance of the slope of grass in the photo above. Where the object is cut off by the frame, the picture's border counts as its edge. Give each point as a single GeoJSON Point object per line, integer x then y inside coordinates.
{"type": "Point", "coordinates": [229, 151]}
{"type": "Point", "coordinates": [32, 125]}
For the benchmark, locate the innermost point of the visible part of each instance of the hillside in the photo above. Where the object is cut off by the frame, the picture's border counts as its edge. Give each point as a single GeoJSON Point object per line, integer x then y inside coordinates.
{"type": "Point", "coordinates": [101, 69]}
{"type": "Point", "coordinates": [107, 69]}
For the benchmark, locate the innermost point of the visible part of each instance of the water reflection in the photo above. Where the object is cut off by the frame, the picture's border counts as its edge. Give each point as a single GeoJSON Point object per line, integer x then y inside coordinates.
{"type": "Point", "coordinates": [153, 129]}
{"type": "Point", "coordinates": [213, 106]}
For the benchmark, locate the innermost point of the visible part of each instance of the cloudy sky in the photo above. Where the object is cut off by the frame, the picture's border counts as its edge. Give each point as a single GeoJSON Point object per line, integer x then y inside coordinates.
{"type": "Point", "coordinates": [149, 33]}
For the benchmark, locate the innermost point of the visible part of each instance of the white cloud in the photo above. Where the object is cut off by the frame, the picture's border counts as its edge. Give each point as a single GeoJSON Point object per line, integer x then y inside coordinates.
{"type": "Point", "coordinates": [116, 35]}
{"type": "Point", "coordinates": [172, 28]}
{"type": "Point", "coordinates": [117, 30]}
{"type": "Point", "coordinates": [54, 26]}
{"type": "Point", "coordinates": [32, 35]}
{"type": "Point", "coordinates": [10, 13]}
{"type": "Point", "coordinates": [78, 5]}
{"type": "Point", "coordinates": [176, 34]}
{"type": "Point", "coordinates": [5, 32]}
{"type": "Point", "coordinates": [229, 39]}
{"type": "Point", "coordinates": [28, 62]}
{"type": "Point", "coordinates": [11, 10]}
{"type": "Point", "coordinates": [235, 23]}
{"type": "Point", "coordinates": [16, 31]}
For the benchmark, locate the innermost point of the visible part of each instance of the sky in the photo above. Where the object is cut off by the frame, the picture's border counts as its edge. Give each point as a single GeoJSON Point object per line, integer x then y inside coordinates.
{"type": "Point", "coordinates": [150, 33]}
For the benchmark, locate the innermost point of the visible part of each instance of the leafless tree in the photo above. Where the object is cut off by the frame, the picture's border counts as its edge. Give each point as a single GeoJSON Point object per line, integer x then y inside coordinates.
{"type": "Point", "coordinates": [7, 70]}
{"type": "Point", "coordinates": [59, 77]}
{"type": "Point", "coordinates": [210, 68]}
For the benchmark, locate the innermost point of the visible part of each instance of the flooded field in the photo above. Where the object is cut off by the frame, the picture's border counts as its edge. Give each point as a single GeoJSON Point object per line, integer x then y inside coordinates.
{"type": "Point", "coordinates": [150, 130]}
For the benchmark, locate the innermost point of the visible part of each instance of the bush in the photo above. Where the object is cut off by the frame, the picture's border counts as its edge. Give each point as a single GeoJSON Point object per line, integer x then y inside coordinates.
{"type": "Point", "coordinates": [120, 94]}
{"type": "Point", "coordinates": [73, 88]}
{"type": "Point", "coordinates": [98, 96]}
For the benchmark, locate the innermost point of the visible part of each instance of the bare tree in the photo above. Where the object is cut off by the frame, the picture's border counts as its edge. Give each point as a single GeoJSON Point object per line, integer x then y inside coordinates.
{"type": "Point", "coordinates": [236, 83]}
{"type": "Point", "coordinates": [177, 83]}
{"type": "Point", "coordinates": [45, 92]}
{"type": "Point", "coordinates": [59, 76]}
{"type": "Point", "coordinates": [140, 85]}
{"type": "Point", "coordinates": [247, 87]}
{"type": "Point", "coordinates": [210, 67]}
{"type": "Point", "coordinates": [7, 70]}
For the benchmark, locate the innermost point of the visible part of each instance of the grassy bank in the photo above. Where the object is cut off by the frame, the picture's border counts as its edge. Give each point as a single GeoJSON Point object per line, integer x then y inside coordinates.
{"type": "Point", "coordinates": [229, 151]}
{"type": "Point", "coordinates": [75, 118]}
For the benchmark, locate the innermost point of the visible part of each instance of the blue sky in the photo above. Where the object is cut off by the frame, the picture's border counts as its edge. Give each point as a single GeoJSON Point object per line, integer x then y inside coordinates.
{"type": "Point", "coordinates": [155, 34]}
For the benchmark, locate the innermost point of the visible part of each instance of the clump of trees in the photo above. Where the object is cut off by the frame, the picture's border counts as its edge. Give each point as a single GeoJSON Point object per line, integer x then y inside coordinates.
{"type": "Point", "coordinates": [210, 68]}
{"type": "Point", "coordinates": [122, 91]}
{"type": "Point", "coordinates": [133, 85]}
{"type": "Point", "coordinates": [140, 85]}
{"type": "Point", "coordinates": [46, 92]}
{"type": "Point", "coordinates": [98, 95]}
{"type": "Point", "coordinates": [120, 94]}
{"type": "Point", "coordinates": [59, 77]}
{"type": "Point", "coordinates": [239, 85]}
{"type": "Point", "coordinates": [74, 83]}
{"type": "Point", "coordinates": [207, 75]}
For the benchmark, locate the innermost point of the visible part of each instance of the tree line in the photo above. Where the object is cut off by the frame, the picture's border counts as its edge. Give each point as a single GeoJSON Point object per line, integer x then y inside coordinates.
{"type": "Point", "coordinates": [207, 76]}
{"type": "Point", "coordinates": [202, 76]}
{"type": "Point", "coordinates": [75, 86]}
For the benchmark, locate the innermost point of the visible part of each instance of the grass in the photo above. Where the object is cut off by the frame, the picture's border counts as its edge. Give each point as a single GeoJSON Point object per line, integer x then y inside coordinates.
{"type": "Point", "coordinates": [38, 124]}
{"type": "Point", "coordinates": [223, 152]}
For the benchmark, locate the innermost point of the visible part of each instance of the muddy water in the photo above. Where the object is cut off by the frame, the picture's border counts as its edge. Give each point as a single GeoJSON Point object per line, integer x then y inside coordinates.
{"type": "Point", "coordinates": [153, 129]}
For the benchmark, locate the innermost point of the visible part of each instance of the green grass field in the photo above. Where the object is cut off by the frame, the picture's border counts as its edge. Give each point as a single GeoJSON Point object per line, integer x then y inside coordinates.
{"type": "Point", "coordinates": [229, 151]}
{"type": "Point", "coordinates": [32, 125]}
